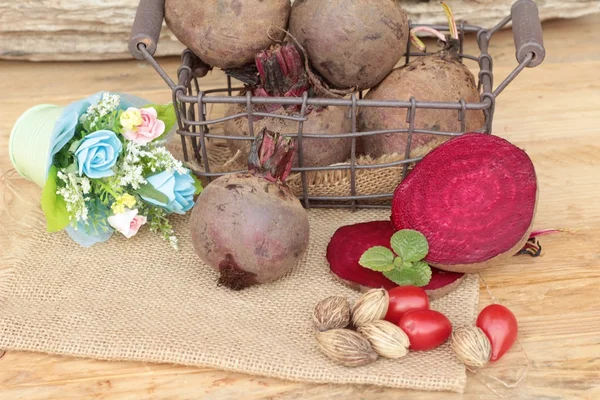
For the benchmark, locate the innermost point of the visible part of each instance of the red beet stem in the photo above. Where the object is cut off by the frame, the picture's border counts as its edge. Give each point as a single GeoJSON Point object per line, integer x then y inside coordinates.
{"type": "Point", "coordinates": [543, 232]}
{"type": "Point", "coordinates": [533, 247]}
{"type": "Point", "coordinates": [271, 156]}
{"type": "Point", "coordinates": [281, 72]}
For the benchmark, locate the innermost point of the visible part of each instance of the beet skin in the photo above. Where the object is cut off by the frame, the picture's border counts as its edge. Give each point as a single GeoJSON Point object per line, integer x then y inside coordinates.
{"type": "Point", "coordinates": [249, 226]}
{"type": "Point", "coordinates": [439, 77]}
{"type": "Point", "coordinates": [227, 33]}
{"type": "Point", "coordinates": [351, 43]}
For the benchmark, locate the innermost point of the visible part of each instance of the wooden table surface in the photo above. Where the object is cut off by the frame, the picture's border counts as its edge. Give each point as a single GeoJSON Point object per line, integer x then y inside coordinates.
{"type": "Point", "coordinates": [552, 111]}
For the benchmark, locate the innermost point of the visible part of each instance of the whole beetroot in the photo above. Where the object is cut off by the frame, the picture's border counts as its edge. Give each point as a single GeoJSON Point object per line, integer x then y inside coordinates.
{"type": "Point", "coordinates": [250, 227]}
{"type": "Point", "coordinates": [351, 43]}
{"type": "Point", "coordinates": [440, 77]}
{"type": "Point", "coordinates": [280, 72]}
{"type": "Point", "coordinates": [317, 152]}
{"type": "Point", "coordinates": [227, 33]}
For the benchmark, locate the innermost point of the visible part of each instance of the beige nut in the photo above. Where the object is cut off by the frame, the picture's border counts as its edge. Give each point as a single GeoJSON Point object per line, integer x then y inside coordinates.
{"type": "Point", "coordinates": [387, 339]}
{"type": "Point", "coordinates": [332, 313]}
{"type": "Point", "coordinates": [346, 347]}
{"type": "Point", "coordinates": [471, 346]}
{"type": "Point", "coordinates": [370, 306]}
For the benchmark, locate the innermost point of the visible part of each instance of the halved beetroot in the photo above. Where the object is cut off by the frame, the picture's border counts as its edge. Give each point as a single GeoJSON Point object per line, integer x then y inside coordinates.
{"type": "Point", "coordinates": [348, 244]}
{"type": "Point", "coordinates": [474, 198]}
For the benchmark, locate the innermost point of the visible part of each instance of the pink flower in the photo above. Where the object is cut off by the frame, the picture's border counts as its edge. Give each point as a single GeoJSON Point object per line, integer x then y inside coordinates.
{"type": "Point", "coordinates": [149, 129]}
{"type": "Point", "coordinates": [128, 222]}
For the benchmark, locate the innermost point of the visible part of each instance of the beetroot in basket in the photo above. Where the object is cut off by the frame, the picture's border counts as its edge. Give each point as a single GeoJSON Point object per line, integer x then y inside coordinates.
{"type": "Point", "coordinates": [440, 77]}
{"type": "Point", "coordinates": [327, 185]}
{"type": "Point", "coordinates": [280, 72]}
{"type": "Point", "coordinates": [351, 43]}
{"type": "Point", "coordinates": [227, 33]}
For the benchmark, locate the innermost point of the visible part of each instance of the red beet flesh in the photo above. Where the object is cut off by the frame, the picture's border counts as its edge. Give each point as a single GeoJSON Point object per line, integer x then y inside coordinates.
{"type": "Point", "coordinates": [349, 243]}
{"type": "Point", "coordinates": [473, 198]}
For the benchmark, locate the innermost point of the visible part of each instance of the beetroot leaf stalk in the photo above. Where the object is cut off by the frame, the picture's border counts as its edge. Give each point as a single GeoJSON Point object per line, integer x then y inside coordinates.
{"type": "Point", "coordinates": [271, 156]}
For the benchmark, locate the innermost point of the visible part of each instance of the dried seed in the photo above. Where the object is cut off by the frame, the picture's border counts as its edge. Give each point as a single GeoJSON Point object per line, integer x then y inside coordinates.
{"type": "Point", "coordinates": [471, 346]}
{"type": "Point", "coordinates": [371, 306]}
{"type": "Point", "coordinates": [332, 313]}
{"type": "Point", "coordinates": [346, 347]}
{"type": "Point", "coordinates": [387, 339]}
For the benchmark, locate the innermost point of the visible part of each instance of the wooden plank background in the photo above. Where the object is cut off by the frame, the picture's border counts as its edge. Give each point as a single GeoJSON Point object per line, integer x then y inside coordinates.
{"type": "Point", "coordinates": [98, 30]}
{"type": "Point", "coordinates": [552, 111]}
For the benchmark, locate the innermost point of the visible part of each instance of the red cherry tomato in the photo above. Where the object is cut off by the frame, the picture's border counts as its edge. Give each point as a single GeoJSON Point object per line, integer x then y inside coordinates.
{"type": "Point", "coordinates": [405, 298]}
{"type": "Point", "coordinates": [500, 326]}
{"type": "Point", "coordinates": [426, 329]}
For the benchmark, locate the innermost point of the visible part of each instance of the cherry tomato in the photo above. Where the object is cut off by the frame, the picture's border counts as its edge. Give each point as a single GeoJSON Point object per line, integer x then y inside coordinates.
{"type": "Point", "coordinates": [426, 329]}
{"type": "Point", "coordinates": [403, 299]}
{"type": "Point", "coordinates": [500, 326]}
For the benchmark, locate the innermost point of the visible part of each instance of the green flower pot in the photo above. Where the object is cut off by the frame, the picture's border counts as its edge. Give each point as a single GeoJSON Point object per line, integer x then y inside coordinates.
{"type": "Point", "coordinates": [30, 142]}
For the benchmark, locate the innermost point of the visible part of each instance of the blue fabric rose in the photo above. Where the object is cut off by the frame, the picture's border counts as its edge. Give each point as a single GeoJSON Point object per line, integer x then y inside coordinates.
{"type": "Point", "coordinates": [64, 129]}
{"type": "Point", "coordinates": [98, 153]}
{"type": "Point", "coordinates": [179, 188]}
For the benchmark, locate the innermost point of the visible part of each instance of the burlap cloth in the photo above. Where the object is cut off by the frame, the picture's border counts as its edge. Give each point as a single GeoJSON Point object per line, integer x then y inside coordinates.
{"type": "Point", "coordinates": [139, 299]}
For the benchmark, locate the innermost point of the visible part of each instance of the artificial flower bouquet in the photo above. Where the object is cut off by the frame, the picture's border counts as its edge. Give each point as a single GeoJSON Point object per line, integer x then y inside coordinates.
{"type": "Point", "coordinates": [108, 170]}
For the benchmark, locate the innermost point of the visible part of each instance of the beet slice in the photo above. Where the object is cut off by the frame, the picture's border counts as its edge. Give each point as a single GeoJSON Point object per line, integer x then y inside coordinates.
{"type": "Point", "coordinates": [474, 198]}
{"type": "Point", "coordinates": [348, 244]}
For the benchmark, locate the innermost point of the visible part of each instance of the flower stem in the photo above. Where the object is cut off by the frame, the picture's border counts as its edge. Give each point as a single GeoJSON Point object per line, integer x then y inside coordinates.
{"type": "Point", "coordinates": [107, 188]}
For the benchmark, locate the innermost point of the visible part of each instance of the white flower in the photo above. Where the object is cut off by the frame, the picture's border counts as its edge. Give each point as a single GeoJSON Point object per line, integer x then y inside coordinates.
{"type": "Point", "coordinates": [130, 169]}
{"type": "Point", "coordinates": [128, 222]}
{"type": "Point", "coordinates": [95, 112]}
{"type": "Point", "coordinates": [174, 242]}
{"type": "Point", "coordinates": [73, 193]}
{"type": "Point", "coordinates": [85, 185]}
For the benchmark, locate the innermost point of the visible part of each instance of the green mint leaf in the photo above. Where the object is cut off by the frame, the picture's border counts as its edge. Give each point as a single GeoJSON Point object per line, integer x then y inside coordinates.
{"type": "Point", "coordinates": [398, 277]}
{"type": "Point", "coordinates": [197, 184]}
{"type": "Point", "coordinates": [378, 258]}
{"type": "Point", "coordinates": [422, 272]}
{"type": "Point", "coordinates": [53, 205]}
{"type": "Point", "coordinates": [409, 244]}
{"type": "Point", "coordinates": [150, 192]}
{"type": "Point", "coordinates": [398, 262]}
{"type": "Point", "coordinates": [166, 113]}
{"type": "Point", "coordinates": [419, 274]}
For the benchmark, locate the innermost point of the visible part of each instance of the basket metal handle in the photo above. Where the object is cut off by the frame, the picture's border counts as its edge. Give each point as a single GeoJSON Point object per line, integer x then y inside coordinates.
{"type": "Point", "coordinates": [146, 27]}
{"type": "Point", "coordinates": [529, 45]}
{"type": "Point", "coordinates": [527, 32]}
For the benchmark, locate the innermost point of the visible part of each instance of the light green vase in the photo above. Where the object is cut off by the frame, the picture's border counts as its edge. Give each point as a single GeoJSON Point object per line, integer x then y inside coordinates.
{"type": "Point", "coordinates": [29, 144]}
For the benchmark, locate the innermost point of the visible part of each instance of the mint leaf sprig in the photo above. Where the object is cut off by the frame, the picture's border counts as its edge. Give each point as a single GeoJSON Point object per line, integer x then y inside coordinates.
{"type": "Point", "coordinates": [405, 265]}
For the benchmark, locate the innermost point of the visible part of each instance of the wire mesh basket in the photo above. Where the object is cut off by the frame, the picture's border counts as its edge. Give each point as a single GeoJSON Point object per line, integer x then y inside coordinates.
{"type": "Point", "coordinates": [202, 134]}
